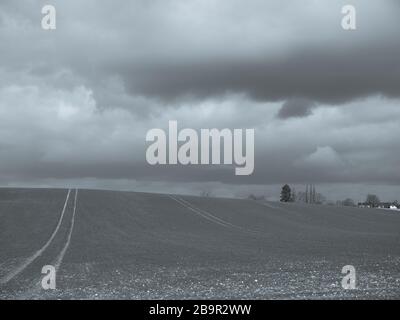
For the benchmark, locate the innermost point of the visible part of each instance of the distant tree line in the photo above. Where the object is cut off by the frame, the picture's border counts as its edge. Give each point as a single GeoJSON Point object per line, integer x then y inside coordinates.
{"type": "Point", "coordinates": [310, 195]}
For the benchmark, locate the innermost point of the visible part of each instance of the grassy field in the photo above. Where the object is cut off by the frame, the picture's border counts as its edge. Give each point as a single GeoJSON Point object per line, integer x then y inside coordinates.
{"type": "Point", "coordinates": [118, 245]}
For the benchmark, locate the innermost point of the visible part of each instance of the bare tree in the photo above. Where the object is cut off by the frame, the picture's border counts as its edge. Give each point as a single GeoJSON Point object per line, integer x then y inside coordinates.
{"type": "Point", "coordinates": [206, 194]}
{"type": "Point", "coordinates": [372, 200]}
{"type": "Point", "coordinates": [311, 195]}
{"type": "Point", "coordinates": [293, 195]}
{"type": "Point", "coordinates": [306, 195]}
{"type": "Point", "coordinates": [314, 199]}
{"type": "Point", "coordinates": [348, 203]}
{"type": "Point", "coordinates": [255, 197]}
{"type": "Point", "coordinates": [320, 198]}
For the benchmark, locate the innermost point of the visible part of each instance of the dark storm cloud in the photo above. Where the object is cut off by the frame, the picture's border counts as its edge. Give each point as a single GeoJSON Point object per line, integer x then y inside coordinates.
{"type": "Point", "coordinates": [322, 75]}
{"type": "Point", "coordinates": [270, 51]}
{"type": "Point", "coordinates": [334, 67]}
{"type": "Point", "coordinates": [296, 108]}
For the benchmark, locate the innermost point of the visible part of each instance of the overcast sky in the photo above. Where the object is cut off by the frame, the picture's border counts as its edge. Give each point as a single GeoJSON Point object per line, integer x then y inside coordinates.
{"type": "Point", "coordinates": [76, 102]}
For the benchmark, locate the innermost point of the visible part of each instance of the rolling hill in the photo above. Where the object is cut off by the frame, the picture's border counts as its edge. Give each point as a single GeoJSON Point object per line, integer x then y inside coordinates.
{"type": "Point", "coordinates": [117, 245]}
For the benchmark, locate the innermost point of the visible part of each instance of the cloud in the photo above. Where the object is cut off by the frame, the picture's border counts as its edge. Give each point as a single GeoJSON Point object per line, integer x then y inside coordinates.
{"type": "Point", "coordinates": [296, 108]}
{"type": "Point", "coordinates": [324, 157]}
{"type": "Point", "coordinates": [65, 135]}
{"type": "Point", "coordinates": [174, 50]}
{"type": "Point", "coordinates": [76, 103]}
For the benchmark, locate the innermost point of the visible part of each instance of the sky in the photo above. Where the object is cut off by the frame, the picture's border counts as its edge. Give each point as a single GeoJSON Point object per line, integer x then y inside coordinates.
{"type": "Point", "coordinates": [76, 102]}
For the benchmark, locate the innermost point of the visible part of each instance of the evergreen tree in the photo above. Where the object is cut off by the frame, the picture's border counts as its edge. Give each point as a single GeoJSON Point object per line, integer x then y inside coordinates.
{"type": "Point", "coordinates": [286, 193]}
